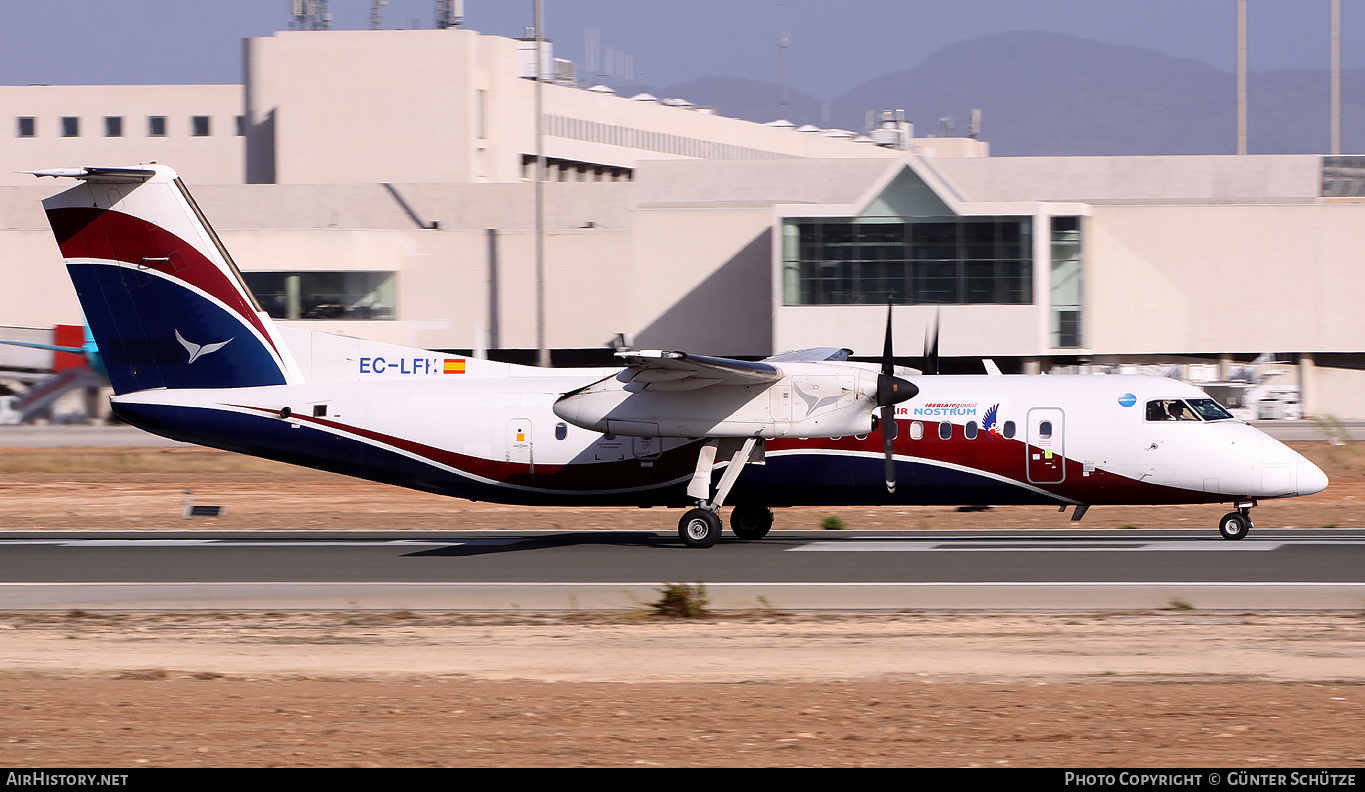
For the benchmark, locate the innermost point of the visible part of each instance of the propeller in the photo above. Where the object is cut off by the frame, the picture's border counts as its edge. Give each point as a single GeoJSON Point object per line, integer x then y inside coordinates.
{"type": "Point", "coordinates": [891, 390]}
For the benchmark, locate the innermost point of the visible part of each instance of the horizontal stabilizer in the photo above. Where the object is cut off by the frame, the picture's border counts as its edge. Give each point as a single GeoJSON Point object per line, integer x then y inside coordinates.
{"type": "Point", "coordinates": [99, 175]}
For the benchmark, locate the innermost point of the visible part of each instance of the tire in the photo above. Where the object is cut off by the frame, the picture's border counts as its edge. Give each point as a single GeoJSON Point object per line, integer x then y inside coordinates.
{"type": "Point", "coordinates": [699, 528]}
{"type": "Point", "coordinates": [751, 521]}
{"type": "Point", "coordinates": [1234, 526]}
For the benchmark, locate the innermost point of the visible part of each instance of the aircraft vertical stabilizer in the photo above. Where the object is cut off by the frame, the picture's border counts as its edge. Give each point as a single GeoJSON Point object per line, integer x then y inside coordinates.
{"type": "Point", "coordinates": [164, 300]}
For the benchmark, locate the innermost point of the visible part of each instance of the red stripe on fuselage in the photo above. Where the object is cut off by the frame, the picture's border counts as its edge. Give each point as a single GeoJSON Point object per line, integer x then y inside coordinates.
{"type": "Point", "coordinates": [995, 455]}
{"type": "Point", "coordinates": [84, 232]}
{"type": "Point", "coordinates": [1008, 459]}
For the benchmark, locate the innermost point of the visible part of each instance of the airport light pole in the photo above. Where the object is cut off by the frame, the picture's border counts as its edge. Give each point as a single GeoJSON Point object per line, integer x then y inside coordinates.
{"type": "Point", "coordinates": [1336, 77]}
{"type": "Point", "coordinates": [1241, 76]}
{"type": "Point", "coordinates": [542, 351]}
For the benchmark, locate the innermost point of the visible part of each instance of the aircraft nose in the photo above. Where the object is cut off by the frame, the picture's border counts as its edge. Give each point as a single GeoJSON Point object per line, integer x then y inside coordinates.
{"type": "Point", "coordinates": [1309, 476]}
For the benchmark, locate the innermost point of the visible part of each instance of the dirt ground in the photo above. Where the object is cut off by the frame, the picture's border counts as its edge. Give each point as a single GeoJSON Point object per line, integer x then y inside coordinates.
{"type": "Point", "coordinates": [1169, 688]}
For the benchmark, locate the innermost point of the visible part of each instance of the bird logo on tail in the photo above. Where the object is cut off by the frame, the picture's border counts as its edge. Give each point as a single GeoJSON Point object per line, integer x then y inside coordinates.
{"type": "Point", "coordinates": [197, 351]}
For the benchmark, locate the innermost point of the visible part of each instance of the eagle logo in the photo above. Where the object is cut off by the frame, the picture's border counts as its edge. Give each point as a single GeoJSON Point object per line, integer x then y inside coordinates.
{"type": "Point", "coordinates": [197, 351]}
{"type": "Point", "coordinates": [989, 420]}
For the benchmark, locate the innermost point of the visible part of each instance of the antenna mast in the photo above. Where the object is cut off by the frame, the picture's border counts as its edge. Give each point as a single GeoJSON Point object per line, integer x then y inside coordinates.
{"type": "Point", "coordinates": [783, 41]}
{"type": "Point", "coordinates": [449, 13]}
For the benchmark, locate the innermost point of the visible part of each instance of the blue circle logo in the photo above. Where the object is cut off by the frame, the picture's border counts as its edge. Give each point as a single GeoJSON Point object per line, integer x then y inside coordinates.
{"type": "Point", "coordinates": [1127, 400]}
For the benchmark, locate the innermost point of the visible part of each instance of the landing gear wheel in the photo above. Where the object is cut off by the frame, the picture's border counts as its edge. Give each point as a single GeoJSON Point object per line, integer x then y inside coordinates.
{"type": "Point", "coordinates": [699, 528]}
{"type": "Point", "coordinates": [751, 521]}
{"type": "Point", "coordinates": [1234, 525]}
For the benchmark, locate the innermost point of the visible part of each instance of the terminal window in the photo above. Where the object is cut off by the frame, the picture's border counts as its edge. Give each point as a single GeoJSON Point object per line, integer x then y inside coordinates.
{"type": "Point", "coordinates": [156, 126]}
{"type": "Point", "coordinates": [324, 295]}
{"type": "Point", "coordinates": [945, 260]}
{"type": "Point", "coordinates": [113, 126]}
{"type": "Point", "coordinates": [28, 126]}
{"type": "Point", "coordinates": [199, 126]}
{"type": "Point", "coordinates": [71, 126]}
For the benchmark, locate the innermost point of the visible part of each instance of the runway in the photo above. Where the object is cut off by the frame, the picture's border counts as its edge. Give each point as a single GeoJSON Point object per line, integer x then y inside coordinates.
{"type": "Point", "coordinates": [1065, 569]}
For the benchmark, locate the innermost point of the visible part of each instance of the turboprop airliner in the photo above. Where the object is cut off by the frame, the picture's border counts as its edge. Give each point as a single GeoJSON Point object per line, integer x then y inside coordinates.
{"type": "Point", "coordinates": [192, 356]}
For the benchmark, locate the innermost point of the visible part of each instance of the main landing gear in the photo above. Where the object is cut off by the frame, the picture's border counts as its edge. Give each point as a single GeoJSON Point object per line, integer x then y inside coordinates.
{"type": "Point", "coordinates": [701, 526]}
{"type": "Point", "coordinates": [1236, 525]}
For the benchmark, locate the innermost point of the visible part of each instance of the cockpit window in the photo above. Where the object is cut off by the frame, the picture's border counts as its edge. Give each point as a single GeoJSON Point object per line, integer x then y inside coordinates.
{"type": "Point", "coordinates": [1170, 410]}
{"type": "Point", "coordinates": [1209, 409]}
{"type": "Point", "coordinates": [1186, 410]}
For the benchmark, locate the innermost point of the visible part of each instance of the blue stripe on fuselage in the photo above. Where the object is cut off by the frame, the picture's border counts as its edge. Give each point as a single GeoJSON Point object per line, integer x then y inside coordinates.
{"type": "Point", "coordinates": [786, 480]}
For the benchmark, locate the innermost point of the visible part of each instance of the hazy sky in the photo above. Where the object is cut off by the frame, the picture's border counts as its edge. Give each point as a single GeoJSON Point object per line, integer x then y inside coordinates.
{"type": "Point", "coordinates": [834, 46]}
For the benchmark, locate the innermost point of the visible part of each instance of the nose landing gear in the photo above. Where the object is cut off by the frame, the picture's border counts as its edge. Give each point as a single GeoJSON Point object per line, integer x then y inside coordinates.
{"type": "Point", "coordinates": [1236, 525]}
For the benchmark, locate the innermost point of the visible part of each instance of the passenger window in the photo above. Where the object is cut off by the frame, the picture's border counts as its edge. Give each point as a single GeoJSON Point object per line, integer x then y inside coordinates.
{"type": "Point", "coordinates": [1009, 430]}
{"type": "Point", "coordinates": [1045, 430]}
{"type": "Point", "coordinates": [945, 431]}
{"type": "Point", "coordinates": [970, 430]}
{"type": "Point", "coordinates": [561, 431]}
{"type": "Point", "coordinates": [916, 430]}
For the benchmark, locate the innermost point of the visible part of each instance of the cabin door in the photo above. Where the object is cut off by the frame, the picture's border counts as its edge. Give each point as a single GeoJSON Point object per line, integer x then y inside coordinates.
{"type": "Point", "coordinates": [1046, 462]}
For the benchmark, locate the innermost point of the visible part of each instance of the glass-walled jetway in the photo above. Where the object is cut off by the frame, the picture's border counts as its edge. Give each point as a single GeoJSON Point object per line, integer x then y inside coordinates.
{"type": "Point", "coordinates": [324, 295]}
{"type": "Point", "coordinates": [866, 260]}
{"type": "Point", "coordinates": [938, 260]}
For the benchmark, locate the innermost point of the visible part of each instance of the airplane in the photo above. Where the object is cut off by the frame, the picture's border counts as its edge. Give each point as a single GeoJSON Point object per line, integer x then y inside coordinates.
{"type": "Point", "coordinates": [88, 350]}
{"type": "Point", "coordinates": [192, 356]}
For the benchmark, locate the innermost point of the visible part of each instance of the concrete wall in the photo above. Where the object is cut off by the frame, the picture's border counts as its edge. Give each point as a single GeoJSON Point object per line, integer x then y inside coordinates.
{"type": "Point", "coordinates": [215, 159]}
{"type": "Point", "coordinates": [1336, 392]}
{"type": "Point", "coordinates": [1142, 180]}
{"type": "Point", "coordinates": [403, 106]}
{"type": "Point", "coordinates": [1235, 279]}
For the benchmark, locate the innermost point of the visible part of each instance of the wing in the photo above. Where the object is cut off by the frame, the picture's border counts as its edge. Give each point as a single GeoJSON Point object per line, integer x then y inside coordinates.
{"type": "Point", "coordinates": [812, 355]}
{"type": "Point", "coordinates": [660, 370]}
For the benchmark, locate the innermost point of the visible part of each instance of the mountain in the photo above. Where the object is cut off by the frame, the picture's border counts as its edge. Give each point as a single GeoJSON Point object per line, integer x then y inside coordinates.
{"type": "Point", "coordinates": [752, 100]}
{"type": "Point", "coordinates": [1052, 94]}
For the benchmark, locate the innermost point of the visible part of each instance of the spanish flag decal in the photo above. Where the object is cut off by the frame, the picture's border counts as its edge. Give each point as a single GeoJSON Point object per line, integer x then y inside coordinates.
{"type": "Point", "coordinates": [454, 366]}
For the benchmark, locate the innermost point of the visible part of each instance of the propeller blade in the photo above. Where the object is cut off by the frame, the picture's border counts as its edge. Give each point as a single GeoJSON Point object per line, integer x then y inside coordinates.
{"type": "Point", "coordinates": [888, 422]}
{"type": "Point", "coordinates": [931, 347]}
{"type": "Point", "coordinates": [891, 390]}
{"type": "Point", "coordinates": [888, 363]}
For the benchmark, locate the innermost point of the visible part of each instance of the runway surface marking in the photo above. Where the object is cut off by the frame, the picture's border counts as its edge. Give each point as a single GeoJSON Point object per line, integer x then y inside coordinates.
{"type": "Point", "coordinates": [1097, 546]}
{"type": "Point", "coordinates": [228, 542]}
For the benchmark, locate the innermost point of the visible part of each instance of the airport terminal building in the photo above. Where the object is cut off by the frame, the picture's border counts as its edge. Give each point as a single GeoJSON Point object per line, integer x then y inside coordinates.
{"type": "Point", "coordinates": [381, 184]}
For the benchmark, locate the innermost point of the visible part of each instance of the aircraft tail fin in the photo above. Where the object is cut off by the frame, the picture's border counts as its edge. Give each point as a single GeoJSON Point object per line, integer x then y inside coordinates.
{"type": "Point", "coordinates": [164, 301]}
